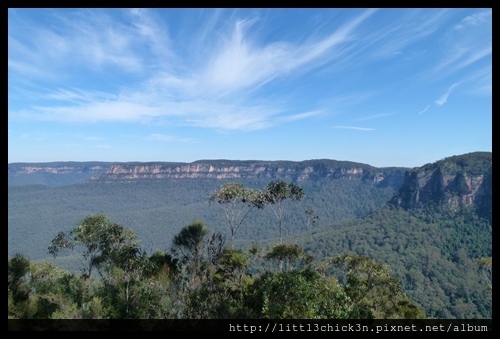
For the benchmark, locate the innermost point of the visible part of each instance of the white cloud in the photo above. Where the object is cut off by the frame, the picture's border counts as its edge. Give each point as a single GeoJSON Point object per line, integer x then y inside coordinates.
{"type": "Point", "coordinates": [424, 110]}
{"type": "Point", "coordinates": [376, 116]}
{"type": "Point", "coordinates": [301, 116]}
{"type": "Point", "coordinates": [216, 94]}
{"type": "Point", "coordinates": [475, 19]}
{"type": "Point", "coordinates": [463, 48]}
{"type": "Point", "coordinates": [216, 90]}
{"type": "Point", "coordinates": [442, 100]}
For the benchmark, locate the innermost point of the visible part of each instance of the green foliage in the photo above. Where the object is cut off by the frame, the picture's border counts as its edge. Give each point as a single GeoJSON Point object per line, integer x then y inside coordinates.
{"type": "Point", "coordinates": [274, 195]}
{"type": "Point", "coordinates": [102, 242]}
{"type": "Point", "coordinates": [18, 268]}
{"type": "Point", "coordinates": [431, 254]}
{"type": "Point", "coordinates": [190, 240]}
{"type": "Point", "coordinates": [152, 206]}
{"type": "Point", "coordinates": [131, 295]}
{"type": "Point", "coordinates": [50, 293]}
{"type": "Point", "coordinates": [304, 294]}
{"type": "Point", "coordinates": [439, 259]}
{"type": "Point", "coordinates": [197, 254]}
{"type": "Point", "coordinates": [279, 190]}
{"type": "Point", "coordinates": [237, 201]}
{"type": "Point", "coordinates": [288, 255]}
{"type": "Point", "coordinates": [374, 290]}
{"type": "Point", "coordinates": [486, 265]}
{"type": "Point", "coordinates": [312, 217]}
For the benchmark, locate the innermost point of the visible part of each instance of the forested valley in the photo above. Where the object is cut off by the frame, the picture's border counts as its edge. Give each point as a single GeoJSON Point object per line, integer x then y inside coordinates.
{"type": "Point", "coordinates": [323, 249]}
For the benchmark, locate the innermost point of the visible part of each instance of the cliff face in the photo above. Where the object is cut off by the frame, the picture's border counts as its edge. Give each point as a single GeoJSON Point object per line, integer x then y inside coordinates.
{"type": "Point", "coordinates": [53, 174]}
{"type": "Point", "coordinates": [454, 182]}
{"type": "Point", "coordinates": [55, 169]}
{"type": "Point", "coordinates": [57, 174]}
{"type": "Point", "coordinates": [271, 170]}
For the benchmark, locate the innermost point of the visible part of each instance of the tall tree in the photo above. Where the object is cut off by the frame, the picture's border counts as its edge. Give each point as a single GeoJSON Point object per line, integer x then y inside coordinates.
{"type": "Point", "coordinates": [18, 288]}
{"type": "Point", "coordinates": [312, 217]}
{"type": "Point", "coordinates": [237, 201]}
{"type": "Point", "coordinates": [196, 256]}
{"type": "Point", "coordinates": [486, 265]}
{"type": "Point", "coordinates": [288, 254]}
{"type": "Point", "coordinates": [101, 241]}
{"type": "Point", "coordinates": [275, 194]}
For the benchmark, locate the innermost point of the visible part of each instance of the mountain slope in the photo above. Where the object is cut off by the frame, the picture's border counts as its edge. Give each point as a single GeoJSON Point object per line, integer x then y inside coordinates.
{"type": "Point", "coordinates": [429, 224]}
{"type": "Point", "coordinates": [453, 183]}
{"type": "Point", "coordinates": [158, 199]}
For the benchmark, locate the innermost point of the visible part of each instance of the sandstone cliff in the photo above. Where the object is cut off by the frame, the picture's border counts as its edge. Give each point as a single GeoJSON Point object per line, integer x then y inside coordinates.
{"type": "Point", "coordinates": [271, 170]}
{"type": "Point", "coordinates": [454, 182]}
{"type": "Point", "coordinates": [53, 173]}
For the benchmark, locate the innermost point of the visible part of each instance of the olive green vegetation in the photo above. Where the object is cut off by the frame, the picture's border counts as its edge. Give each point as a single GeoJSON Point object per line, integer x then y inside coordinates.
{"type": "Point", "coordinates": [430, 259]}
{"type": "Point", "coordinates": [438, 257]}
{"type": "Point", "coordinates": [157, 209]}
{"type": "Point", "coordinates": [392, 263]}
{"type": "Point", "coordinates": [199, 278]}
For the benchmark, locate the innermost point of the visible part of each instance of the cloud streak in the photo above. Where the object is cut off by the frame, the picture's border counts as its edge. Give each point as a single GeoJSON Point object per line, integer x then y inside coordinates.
{"type": "Point", "coordinates": [376, 116]}
{"type": "Point", "coordinates": [230, 84]}
{"type": "Point", "coordinates": [468, 43]}
{"type": "Point", "coordinates": [214, 94]}
{"type": "Point", "coordinates": [425, 109]}
{"type": "Point", "coordinates": [444, 98]}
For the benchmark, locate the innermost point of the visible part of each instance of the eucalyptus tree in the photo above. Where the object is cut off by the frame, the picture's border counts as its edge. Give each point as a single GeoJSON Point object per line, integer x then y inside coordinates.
{"type": "Point", "coordinates": [125, 288]}
{"type": "Point", "coordinates": [486, 265]}
{"type": "Point", "coordinates": [275, 194]}
{"type": "Point", "coordinates": [302, 294]}
{"type": "Point", "coordinates": [40, 290]}
{"type": "Point", "coordinates": [290, 254]}
{"type": "Point", "coordinates": [102, 242]}
{"type": "Point", "coordinates": [374, 291]}
{"type": "Point", "coordinates": [312, 217]}
{"type": "Point", "coordinates": [196, 254]}
{"type": "Point", "coordinates": [237, 201]}
{"type": "Point", "coordinates": [18, 287]}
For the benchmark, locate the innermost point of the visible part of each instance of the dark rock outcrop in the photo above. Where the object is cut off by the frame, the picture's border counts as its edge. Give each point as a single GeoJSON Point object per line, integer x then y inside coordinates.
{"type": "Point", "coordinates": [454, 182]}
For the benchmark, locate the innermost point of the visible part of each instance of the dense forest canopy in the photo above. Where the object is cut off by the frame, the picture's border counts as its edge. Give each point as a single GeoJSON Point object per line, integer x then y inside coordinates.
{"type": "Point", "coordinates": [438, 259]}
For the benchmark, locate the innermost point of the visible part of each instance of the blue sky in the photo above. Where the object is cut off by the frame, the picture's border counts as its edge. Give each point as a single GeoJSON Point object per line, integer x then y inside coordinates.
{"type": "Point", "coordinates": [384, 87]}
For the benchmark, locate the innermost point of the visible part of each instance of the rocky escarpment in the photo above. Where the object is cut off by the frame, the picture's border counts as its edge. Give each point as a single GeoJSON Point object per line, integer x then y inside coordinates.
{"type": "Point", "coordinates": [53, 173]}
{"type": "Point", "coordinates": [225, 169]}
{"type": "Point", "coordinates": [67, 173]}
{"type": "Point", "coordinates": [55, 169]}
{"type": "Point", "coordinates": [454, 182]}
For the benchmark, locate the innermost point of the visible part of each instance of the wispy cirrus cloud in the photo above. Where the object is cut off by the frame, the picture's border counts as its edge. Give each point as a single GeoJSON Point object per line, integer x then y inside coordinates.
{"type": "Point", "coordinates": [407, 30]}
{"type": "Point", "coordinates": [466, 44]}
{"type": "Point", "coordinates": [89, 39]}
{"type": "Point", "coordinates": [301, 116]}
{"type": "Point", "coordinates": [480, 81]}
{"type": "Point", "coordinates": [474, 20]}
{"type": "Point", "coordinates": [242, 63]}
{"type": "Point", "coordinates": [216, 92]}
{"type": "Point", "coordinates": [375, 116]}
{"type": "Point", "coordinates": [424, 110]}
{"type": "Point", "coordinates": [443, 98]}
{"type": "Point", "coordinates": [154, 81]}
